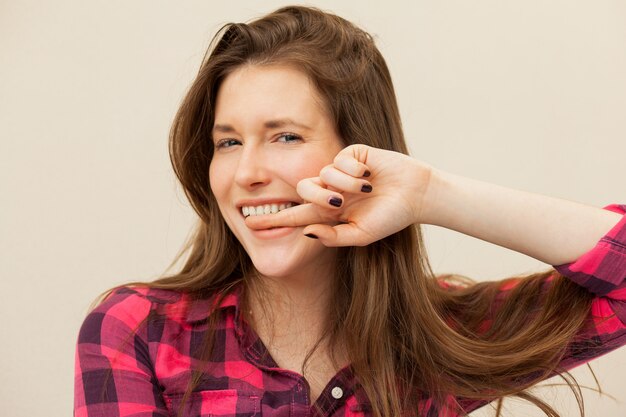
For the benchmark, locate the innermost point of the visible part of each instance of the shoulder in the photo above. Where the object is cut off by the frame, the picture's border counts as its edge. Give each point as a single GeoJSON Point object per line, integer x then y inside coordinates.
{"type": "Point", "coordinates": [135, 303]}
{"type": "Point", "coordinates": [114, 350]}
{"type": "Point", "coordinates": [124, 310]}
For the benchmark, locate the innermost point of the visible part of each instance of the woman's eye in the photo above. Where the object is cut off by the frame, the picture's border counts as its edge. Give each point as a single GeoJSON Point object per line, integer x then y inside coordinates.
{"type": "Point", "coordinates": [289, 137]}
{"type": "Point", "coordinates": [226, 143]}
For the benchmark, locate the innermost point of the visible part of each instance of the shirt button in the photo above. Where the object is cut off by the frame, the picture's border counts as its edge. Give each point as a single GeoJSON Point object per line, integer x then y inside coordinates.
{"type": "Point", "coordinates": [337, 393]}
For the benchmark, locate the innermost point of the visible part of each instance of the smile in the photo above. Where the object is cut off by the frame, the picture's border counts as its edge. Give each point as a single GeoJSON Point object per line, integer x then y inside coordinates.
{"type": "Point", "coordinates": [265, 209]}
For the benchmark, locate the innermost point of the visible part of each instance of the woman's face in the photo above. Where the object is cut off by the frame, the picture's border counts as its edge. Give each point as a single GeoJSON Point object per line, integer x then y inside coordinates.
{"type": "Point", "coordinates": [271, 130]}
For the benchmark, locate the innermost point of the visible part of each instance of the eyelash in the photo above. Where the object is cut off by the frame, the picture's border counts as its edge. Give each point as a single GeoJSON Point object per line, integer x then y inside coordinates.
{"type": "Point", "coordinates": [282, 135]}
{"type": "Point", "coordinates": [222, 143]}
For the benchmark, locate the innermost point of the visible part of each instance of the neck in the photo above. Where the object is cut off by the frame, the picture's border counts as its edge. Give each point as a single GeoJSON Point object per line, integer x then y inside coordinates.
{"type": "Point", "coordinates": [292, 309]}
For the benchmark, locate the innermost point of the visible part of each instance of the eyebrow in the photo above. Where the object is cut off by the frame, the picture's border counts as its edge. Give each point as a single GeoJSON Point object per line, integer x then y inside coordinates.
{"type": "Point", "coordinates": [270, 124]}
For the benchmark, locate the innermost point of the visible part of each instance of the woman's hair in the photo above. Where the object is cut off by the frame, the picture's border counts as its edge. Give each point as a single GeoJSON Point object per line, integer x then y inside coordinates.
{"type": "Point", "coordinates": [408, 334]}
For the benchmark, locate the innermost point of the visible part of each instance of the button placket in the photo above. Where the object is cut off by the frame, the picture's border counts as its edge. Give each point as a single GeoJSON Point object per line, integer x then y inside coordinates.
{"type": "Point", "coordinates": [336, 393]}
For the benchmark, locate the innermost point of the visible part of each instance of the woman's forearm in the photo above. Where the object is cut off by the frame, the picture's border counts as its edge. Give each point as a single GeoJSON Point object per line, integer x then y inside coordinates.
{"type": "Point", "coordinates": [552, 230]}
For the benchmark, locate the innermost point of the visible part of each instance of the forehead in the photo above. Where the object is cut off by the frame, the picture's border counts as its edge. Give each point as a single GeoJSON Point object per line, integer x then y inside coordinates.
{"type": "Point", "coordinates": [258, 93]}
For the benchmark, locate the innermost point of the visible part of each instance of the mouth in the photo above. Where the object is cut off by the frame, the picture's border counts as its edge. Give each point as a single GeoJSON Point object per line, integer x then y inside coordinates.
{"type": "Point", "coordinates": [262, 209]}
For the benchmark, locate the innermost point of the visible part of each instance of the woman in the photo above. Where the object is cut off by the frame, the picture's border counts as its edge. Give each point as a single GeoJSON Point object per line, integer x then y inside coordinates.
{"type": "Point", "coordinates": [307, 289]}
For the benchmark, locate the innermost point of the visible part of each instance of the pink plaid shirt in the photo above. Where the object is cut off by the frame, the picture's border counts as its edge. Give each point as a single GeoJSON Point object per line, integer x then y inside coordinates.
{"type": "Point", "coordinates": [127, 365]}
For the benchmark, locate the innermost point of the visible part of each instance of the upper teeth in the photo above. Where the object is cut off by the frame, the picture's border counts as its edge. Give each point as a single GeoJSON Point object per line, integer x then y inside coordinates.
{"type": "Point", "coordinates": [264, 209]}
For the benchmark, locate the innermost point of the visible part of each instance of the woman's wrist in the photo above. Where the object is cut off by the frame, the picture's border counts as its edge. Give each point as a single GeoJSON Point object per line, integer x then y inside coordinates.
{"type": "Point", "coordinates": [430, 208]}
{"type": "Point", "coordinates": [552, 230]}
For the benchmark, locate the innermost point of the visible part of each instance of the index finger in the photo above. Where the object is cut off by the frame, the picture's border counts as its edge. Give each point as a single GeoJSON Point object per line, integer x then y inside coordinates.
{"type": "Point", "coordinates": [301, 215]}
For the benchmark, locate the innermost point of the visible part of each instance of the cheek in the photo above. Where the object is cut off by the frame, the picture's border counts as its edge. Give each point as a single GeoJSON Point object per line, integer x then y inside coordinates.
{"type": "Point", "coordinates": [295, 170]}
{"type": "Point", "coordinates": [217, 181]}
{"type": "Point", "coordinates": [220, 186]}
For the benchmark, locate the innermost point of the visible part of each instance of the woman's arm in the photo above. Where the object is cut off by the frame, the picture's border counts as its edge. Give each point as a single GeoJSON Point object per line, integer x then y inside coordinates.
{"type": "Point", "coordinates": [602, 271]}
{"type": "Point", "coordinates": [402, 190]}
{"type": "Point", "coordinates": [552, 230]}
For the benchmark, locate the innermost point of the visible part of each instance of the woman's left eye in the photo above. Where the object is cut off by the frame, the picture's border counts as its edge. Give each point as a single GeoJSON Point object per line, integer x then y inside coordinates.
{"type": "Point", "coordinates": [288, 138]}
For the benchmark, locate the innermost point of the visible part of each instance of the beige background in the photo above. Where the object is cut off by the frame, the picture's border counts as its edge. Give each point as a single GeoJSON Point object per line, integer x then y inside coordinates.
{"type": "Point", "coordinates": [526, 94]}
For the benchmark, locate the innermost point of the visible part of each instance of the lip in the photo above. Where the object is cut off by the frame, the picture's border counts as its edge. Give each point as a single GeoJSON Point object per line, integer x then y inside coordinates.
{"type": "Point", "coordinates": [274, 233]}
{"type": "Point", "coordinates": [262, 201]}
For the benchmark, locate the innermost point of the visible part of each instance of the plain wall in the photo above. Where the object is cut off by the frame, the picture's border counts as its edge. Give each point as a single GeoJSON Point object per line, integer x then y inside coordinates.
{"type": "Point", "coordinates": [530, 95]}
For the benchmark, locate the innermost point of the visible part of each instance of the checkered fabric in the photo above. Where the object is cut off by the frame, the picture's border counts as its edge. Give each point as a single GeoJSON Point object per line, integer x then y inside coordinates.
{"type": "Point", "coordinates": [135, 351]}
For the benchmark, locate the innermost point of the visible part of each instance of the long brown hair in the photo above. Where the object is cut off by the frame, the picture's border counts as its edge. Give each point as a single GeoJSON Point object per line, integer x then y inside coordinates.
{"type": "Point", "coordinates": [407, 336]}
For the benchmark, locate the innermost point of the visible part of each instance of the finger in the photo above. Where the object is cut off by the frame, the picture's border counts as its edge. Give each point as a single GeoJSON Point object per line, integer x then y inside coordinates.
{"type": "Point", "coordinates": [351, 166]}
{"type": "Point", "coordinates": [358, 151]}
{"type": "Point", "coordinates": [341, 181]}
{"type": "Point", "coordinates": [310, 189]}
{"type": "Point", "coordinates": [303, 214]}
{"type": "Point", "coordinates": [345, 234]}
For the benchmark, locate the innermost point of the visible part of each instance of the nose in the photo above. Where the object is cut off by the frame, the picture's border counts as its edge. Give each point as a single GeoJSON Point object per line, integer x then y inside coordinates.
{"type": "Point", "coordinates": [252, 170]}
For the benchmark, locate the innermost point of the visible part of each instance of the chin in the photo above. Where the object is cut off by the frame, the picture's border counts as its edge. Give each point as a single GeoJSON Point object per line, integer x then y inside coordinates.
{"type": "Point", "coordinates": [274, 266]}
{"type": "Point", "coordinates": [295, 259]}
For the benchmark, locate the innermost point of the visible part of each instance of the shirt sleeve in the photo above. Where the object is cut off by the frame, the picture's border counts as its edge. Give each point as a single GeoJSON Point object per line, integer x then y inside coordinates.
{"type": "Point", "coordinates": [602, 271]}
{"type": "Point", "coordinates": [114, 376]}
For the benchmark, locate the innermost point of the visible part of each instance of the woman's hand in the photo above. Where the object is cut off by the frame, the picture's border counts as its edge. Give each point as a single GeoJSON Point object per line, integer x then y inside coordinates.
{"type": "Point", "coordinates": [366, 194]}
{"type": "Point", "coordinates": [407, 191]}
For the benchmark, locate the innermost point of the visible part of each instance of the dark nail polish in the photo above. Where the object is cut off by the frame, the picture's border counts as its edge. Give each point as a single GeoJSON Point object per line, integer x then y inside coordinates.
{"type": "Point", "coordinates": [366, 188]}
{"type": "Point", "coordinates": [367, 174]}
{"type": "Point", "coordinates": [334, 201]}
{"type": "Point", "coordinates": [311, 235]}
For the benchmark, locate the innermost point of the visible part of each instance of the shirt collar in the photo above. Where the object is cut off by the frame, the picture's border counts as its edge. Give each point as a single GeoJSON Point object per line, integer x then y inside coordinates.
{"type": "Point", "coordinates": [199, 309]}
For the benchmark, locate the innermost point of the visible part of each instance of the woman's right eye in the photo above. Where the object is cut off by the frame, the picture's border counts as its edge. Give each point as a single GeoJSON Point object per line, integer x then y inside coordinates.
{"type": "Point", "coordinates": [226, 143]}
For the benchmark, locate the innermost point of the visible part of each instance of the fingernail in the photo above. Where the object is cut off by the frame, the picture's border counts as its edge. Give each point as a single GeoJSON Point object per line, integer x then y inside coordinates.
{"type": "Point", "coordinates": [366, 188]}
{"type": "Point", "coordinates": [311, 235]}
{"type": "Point", "coordinates": [334, 201]}
{"type": "Point", "coordinates": [367, 173]}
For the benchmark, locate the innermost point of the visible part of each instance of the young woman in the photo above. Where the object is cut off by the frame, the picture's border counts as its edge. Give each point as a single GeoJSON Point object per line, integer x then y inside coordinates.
{"type": "Point", "coordinates": [307, 291]}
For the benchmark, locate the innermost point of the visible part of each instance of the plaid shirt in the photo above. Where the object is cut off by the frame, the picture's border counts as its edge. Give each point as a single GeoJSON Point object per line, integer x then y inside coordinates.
{"type": "Point", "coordinates": [124, 368]}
